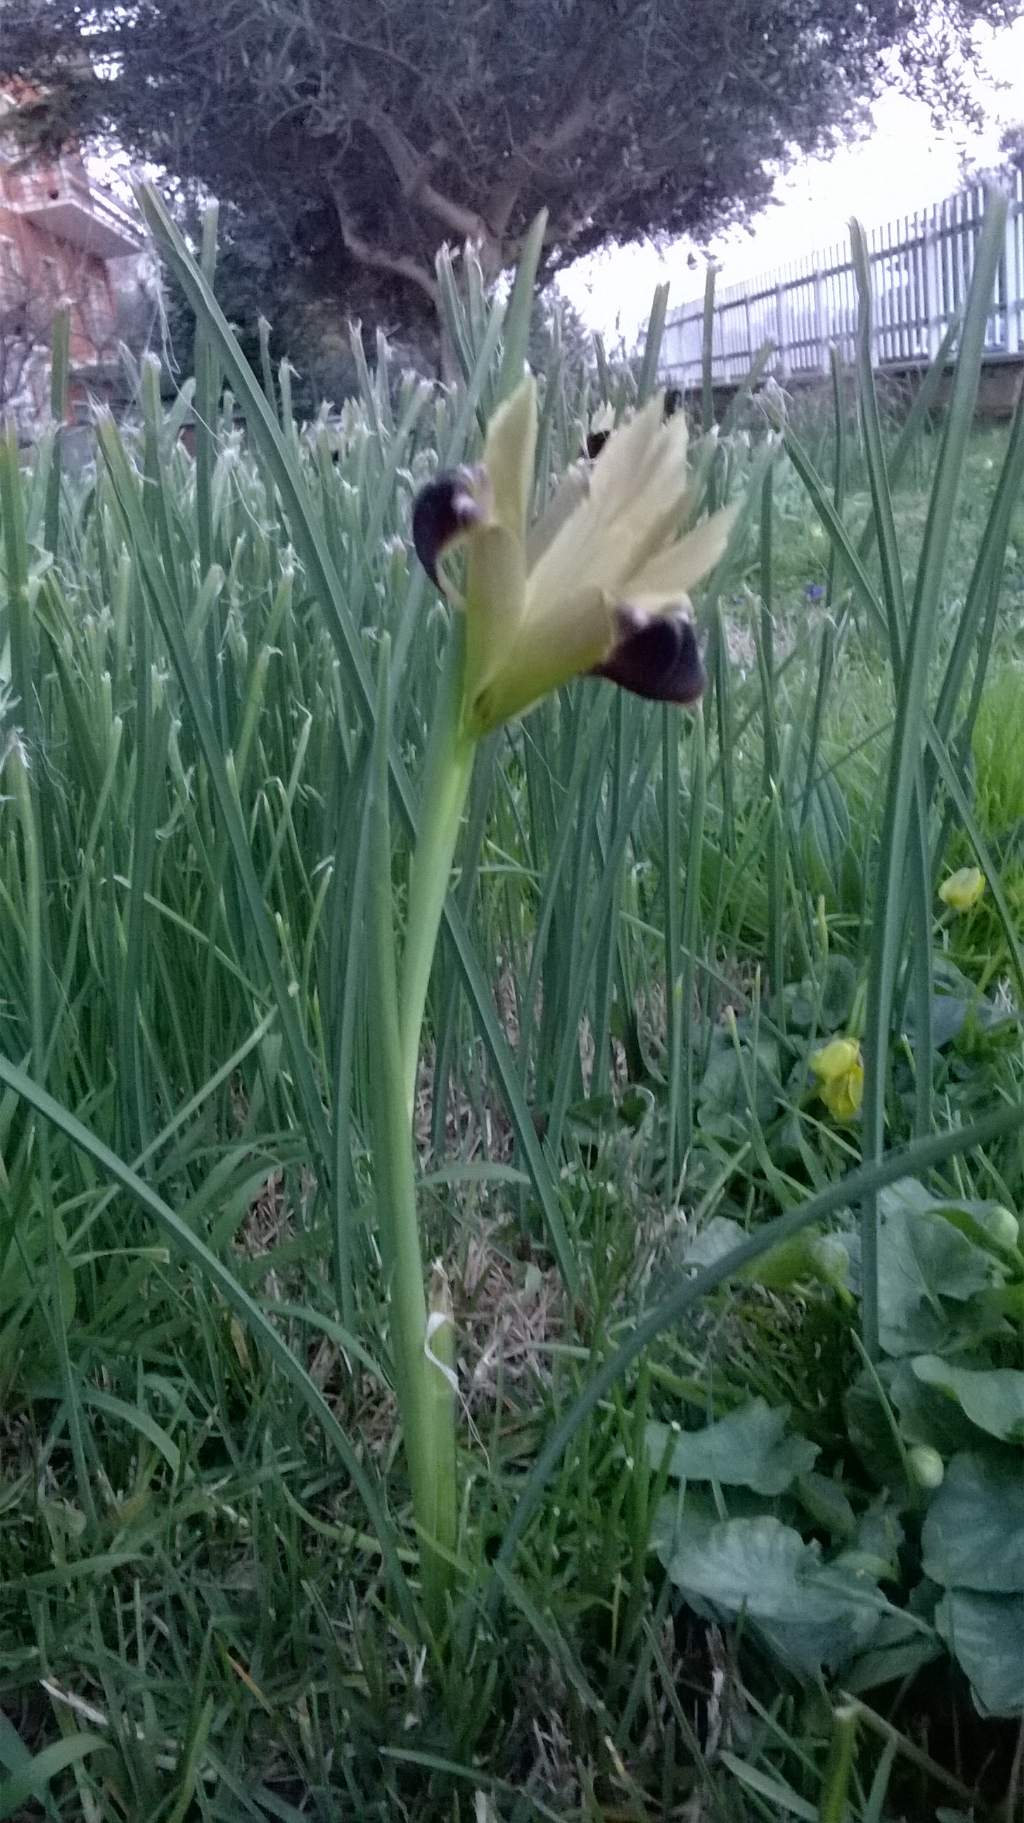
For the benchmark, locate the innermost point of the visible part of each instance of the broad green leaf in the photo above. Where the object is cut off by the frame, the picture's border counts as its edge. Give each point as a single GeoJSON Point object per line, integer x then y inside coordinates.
{"type": "Point", "coordinates": [989, 1225]}
{"type": "Point", "coordinates": [714, 1241]}
{"type": "Point", "coordinates": [927, 1271]}
{"type": "Point", "coordinates": [782, 1267]}
{"type": "Point", "coordinates": [747, 1449]}
{"type": "Point", "coordinates": [876, 1544]}
{"type": "Point", "coordinates": [950, 1013]}
{"type": "Point", "coordinates": [898, 1650]}
{"type": "Point", "coordinates": [733, 1075]}
{"type": "Point", "coordinates": [985, 1633]}
{"type": "Point", "coordinates": [993, 1398]}
{"type": "Point", "coordinates": [973, 1535]}
{"type": "Point", "coordinates": [827, 1504]}
{"type": "Point", "coordinates": [926, 1415]}
{"type": "Point", "coordinates": [811, 1614]}
{"type": "Point", "coordinates": [823, 1004]}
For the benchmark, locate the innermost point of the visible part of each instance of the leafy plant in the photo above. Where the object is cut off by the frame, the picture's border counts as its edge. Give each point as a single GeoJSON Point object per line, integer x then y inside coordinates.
{"type": "Point", "coordinates": [871, 1578]}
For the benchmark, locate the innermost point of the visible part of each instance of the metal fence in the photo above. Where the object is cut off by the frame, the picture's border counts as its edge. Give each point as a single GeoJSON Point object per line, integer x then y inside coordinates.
{"type": "Point", "coordinates": [920, 270]}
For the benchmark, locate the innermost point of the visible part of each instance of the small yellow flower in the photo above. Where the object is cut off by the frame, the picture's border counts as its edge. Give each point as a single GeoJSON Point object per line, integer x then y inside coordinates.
{"type": "Point", "coordinates": [839, 1069]}
{"type": "Point", "coordinates": [597, 586]}
{"type": "Point", "coordinates": [963, 889]}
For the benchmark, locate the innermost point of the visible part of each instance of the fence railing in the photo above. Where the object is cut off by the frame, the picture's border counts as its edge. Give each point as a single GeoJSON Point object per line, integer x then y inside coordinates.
{"type": "Point", "coordinates": [920, 270]}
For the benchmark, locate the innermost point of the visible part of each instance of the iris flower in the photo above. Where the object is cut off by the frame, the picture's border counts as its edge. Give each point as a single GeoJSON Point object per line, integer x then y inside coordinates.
{"type": "Point", "coordinates": [597, 586]}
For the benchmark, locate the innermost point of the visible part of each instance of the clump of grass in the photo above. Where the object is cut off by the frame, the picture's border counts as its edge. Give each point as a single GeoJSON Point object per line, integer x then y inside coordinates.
{"type": "Point", "coordinates": [998, 761]}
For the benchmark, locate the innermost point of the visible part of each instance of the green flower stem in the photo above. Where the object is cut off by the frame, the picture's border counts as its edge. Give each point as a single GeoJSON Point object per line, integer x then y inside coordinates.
{"type": "Point", "coordinates": [834, 1805]}
{"type": "Point", "coordinates": [419, 1354]}
{"type": "Point", "coordinates": [422, 1339]}
{"type": "Point", "coordinates": [449, 769]}
{"type": "Point", "coordinates": [442, 1388]}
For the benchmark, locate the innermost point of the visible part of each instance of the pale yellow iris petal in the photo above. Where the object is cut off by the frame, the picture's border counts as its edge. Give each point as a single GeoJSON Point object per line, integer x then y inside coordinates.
{"type": "Point", "coordinates": [648, 503]}
{"type": "Point", "coordinates": [660, 532]}
{"type": "Point", "coordinates": [548, 651]}
{"type": "Point", "coordinates": [496, 559]}
{"type": "Point", "coordinates": [634, 501]}
{"type": "Point", "coordinates": [590, 550]}
{"type": "Point", "coordinates": [640, 455]}
{"type": "Point", "coordinates": [495, 602]}
{"type": "Point", "coordinates": [570, 494]}
{"type": "Point", "coordinates": [673, 572]}
{"type": "Point", "coordinates": [572, 563]}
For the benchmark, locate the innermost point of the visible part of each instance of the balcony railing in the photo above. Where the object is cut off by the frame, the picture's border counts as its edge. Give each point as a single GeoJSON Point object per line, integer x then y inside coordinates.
{"type": "Point", "coordinates": [67, 206]}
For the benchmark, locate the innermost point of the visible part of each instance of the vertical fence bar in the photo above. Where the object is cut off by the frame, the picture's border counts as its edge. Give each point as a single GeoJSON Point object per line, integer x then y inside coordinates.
{"type": "Point", "coordinates": [906, 310]}
{"type": "Point", "coordinates": [957, 245]}
{"type": "Point", "coordinates": [781, 330]}
{"type": "Point", "coordinates": [1015, 300]}
{"type": "Point", "coordinates": [932, 285]}
{"type": "Point", "coordinates": [1008, 280]}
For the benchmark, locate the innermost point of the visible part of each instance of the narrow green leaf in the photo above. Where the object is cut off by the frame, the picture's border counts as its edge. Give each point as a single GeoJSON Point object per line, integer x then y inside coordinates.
{"type": "Point", "coordinates": [195, 1251]}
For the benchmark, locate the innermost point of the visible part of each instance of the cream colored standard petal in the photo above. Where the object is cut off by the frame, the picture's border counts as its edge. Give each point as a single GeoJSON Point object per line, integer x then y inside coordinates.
{"type": "Point", "coordinates": [634, 488]}
{"type": "Point", "coordinates": [598, 548]}
{"type": "Point", "coordinates": [623, 454]}
{"type": "Point", "coordinates": [614, 530]}
{"type": "Point", "coordinates": [653, 488]}
{"type": "Point", "coordinates": [509, 455]}
{"type": "Point", "coordinates": [647, 510]}
{"type": "Point", "coordinates": [548, 652]}
{"type": "Point", "coordinates": [572, 490]}
{"type": "Point", "coordinates": [575, 559]}
{"type": "Point", "coordinates": [674, 571]}
{"type": "Point", "coordinates": [634, 454]}
{"type": "Point", "coordinates": [660, 532]}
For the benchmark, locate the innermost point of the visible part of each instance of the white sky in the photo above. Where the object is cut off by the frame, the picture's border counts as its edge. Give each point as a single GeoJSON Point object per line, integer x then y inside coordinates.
{"type": "Point", "coordinates": [904, 165]}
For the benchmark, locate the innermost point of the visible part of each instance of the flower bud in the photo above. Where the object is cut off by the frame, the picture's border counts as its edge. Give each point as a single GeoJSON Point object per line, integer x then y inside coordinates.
{"type": "Point", "coordinates": [963, 889]}
{"type": "Point", "coordinates": [831, 1259]}
{"type": "Point", "coordinates": [926, 1466]}
{"type": "Point", "coordinates": [1003, 1227]}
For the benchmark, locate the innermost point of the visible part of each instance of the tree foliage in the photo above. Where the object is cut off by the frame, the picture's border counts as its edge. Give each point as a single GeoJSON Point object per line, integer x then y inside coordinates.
{"type": "Point", "coordinates": [355, 138]}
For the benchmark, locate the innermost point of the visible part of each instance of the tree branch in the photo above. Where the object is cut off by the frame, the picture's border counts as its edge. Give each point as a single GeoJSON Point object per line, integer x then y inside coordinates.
{"type": "Point", "coordinates": [402, 265]}
{"type": "Point", "coordinates": [413, 171]}
{"type": "Point", "coordinates": [583, 117]}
